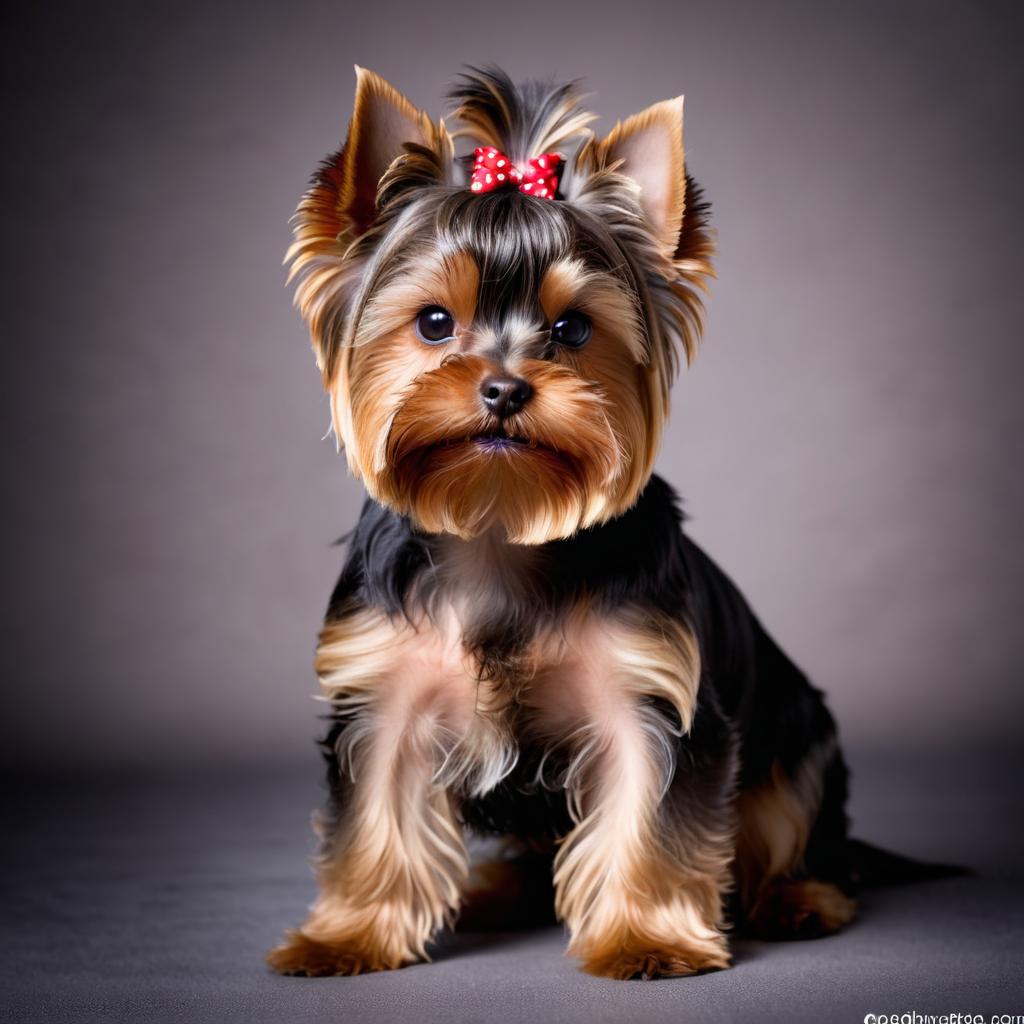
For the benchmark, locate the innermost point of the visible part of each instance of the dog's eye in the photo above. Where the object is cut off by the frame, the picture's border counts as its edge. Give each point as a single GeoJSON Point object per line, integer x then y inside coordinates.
{"type": "Point", "coordinates": [571, 329]}
{"type": "Point", "coordinates": [435, 325]}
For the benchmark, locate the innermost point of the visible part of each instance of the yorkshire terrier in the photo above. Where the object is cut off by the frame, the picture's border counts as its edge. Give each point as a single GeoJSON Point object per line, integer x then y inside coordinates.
{"type": "Point", "coordinates": [523, 641]}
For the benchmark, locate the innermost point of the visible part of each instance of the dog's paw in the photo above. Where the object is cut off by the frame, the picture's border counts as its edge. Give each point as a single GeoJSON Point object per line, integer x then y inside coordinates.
{"type": "Point", "coordinates": [806, 909]}
{"type": "Point", "coordinates": [636, 958]}
{"type": "Point", "coordinates": [312, 958]}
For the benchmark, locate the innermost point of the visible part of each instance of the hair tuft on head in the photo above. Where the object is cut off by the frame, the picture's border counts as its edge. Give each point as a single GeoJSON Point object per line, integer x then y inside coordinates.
{"type": "Point", "coordinates": [522, 121]}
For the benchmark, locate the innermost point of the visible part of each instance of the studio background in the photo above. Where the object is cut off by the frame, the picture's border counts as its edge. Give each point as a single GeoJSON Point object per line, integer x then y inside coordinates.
{"type": "Point", "coordinates": [847, 442]}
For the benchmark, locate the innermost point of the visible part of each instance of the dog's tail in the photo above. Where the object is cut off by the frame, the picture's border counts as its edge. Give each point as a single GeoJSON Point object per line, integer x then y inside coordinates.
{"type": "Point", "coordinates": [873, 867]}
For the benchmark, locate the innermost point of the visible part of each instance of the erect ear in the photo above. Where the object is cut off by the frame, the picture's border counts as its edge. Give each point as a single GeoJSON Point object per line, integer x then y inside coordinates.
{"type": "Point", "coordinates": [650, 146]}
{"type": "Point", "coordinates": [383, 121]}
{"type": "Point", "coordinates": [388, 139]}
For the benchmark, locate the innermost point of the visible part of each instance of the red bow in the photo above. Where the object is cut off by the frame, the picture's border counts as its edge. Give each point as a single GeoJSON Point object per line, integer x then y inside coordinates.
{"type": "Point", "coordinates": [492, 169]}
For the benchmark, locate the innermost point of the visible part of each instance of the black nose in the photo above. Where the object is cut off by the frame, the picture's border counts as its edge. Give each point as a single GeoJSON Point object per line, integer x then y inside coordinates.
{"type": "Point", "coordinates": [505, 396]}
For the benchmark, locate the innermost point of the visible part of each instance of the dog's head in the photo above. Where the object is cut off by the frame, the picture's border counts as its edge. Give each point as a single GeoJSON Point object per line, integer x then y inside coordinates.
{"type": "Point", "coordinates": [499, 340]}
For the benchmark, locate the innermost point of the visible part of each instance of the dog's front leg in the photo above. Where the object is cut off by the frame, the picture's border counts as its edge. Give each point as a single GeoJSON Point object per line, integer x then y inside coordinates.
{"type": "Point", "coordinates": [393, 859]}
{"type": "Point", "coordinates": [640, 878]}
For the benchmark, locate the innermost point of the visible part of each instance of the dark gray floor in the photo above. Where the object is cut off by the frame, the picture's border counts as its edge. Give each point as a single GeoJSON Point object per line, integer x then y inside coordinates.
{"type": "Point", "coordinates": [154, 899]}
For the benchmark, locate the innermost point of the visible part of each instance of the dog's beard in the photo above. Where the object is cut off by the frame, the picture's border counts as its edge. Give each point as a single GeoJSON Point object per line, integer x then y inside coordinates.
{"type": "Point", "coordinates": [539, 475]}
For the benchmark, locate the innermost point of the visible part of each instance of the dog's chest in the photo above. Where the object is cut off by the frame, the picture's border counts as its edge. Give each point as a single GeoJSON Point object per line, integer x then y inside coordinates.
{"type": "Point", "coordinates": [458, 663]}
{"type": "Point", "coordinates": [492, 659]}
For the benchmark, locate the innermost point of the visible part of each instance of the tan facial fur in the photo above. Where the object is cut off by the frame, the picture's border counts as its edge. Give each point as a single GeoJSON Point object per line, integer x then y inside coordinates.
{"type": "Point", "coordinates": [370, 204]}
{"type": "Point", "coordinates": [407, 412]}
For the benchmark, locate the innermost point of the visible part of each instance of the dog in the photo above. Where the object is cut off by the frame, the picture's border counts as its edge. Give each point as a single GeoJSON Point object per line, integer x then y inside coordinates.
{"type": "Point", "coordinates": [523, 641]}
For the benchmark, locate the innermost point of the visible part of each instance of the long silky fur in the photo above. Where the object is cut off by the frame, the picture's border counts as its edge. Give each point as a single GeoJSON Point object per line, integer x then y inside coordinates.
{"type": "Point", "coordinates": [336, 270]}
{"type": "Point", "coordinates": [522, 639]}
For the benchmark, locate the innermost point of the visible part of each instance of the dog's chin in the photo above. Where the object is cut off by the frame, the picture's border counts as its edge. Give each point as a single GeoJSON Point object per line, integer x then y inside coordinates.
{"type": "Point", "coordinates": [532, 492]}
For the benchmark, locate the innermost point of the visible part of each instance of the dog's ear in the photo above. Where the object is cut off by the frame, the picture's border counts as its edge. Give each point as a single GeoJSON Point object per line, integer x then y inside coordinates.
{"type": "Point", "coordinates": [383, 121]}
{"type": "Point", "coordinates": [391, 149]}
{"type": "Point", "coordinates": [383, 124]}
{"type": "Point", "coordinates": [650, 148]}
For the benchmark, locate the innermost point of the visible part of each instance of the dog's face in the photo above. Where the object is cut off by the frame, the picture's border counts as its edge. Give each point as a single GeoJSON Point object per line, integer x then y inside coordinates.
{"type": "Point", "coordinates": [500, 360]}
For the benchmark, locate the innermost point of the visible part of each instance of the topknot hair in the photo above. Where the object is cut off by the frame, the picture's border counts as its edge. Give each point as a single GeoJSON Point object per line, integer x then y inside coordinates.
{"type": "Point", "coordinates": [520, 120]}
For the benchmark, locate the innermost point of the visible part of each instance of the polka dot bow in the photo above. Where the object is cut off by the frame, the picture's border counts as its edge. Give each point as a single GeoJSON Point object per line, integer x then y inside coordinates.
{"type": "Point", "coordinates": [493, 169]}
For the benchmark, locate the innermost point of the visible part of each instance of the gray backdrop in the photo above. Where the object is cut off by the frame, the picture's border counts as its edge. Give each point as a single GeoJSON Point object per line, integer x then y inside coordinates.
{"type": "Point", "coordinates": [848, 441]}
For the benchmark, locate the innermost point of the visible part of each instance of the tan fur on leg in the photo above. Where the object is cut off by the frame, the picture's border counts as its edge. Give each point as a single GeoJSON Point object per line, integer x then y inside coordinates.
{"type": "Point", "coordinates": [640, 895]}
{"type": "Point", "coordinates": [804, 909]}
{"type": "Point", "coordinates": [775, 821]}
{"type": "Point", "coordinates": [393, 875]}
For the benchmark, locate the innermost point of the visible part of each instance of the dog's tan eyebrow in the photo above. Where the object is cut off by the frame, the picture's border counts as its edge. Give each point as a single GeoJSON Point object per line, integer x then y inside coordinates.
{"type": "Point", "coordinates": [563, 282]}
{"type": "Point", "coordinates": [452, 281]}
{"type": "Point", "coordinates": [458, 282]}
{"type": "Point", "coordinates": [569, 283]}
